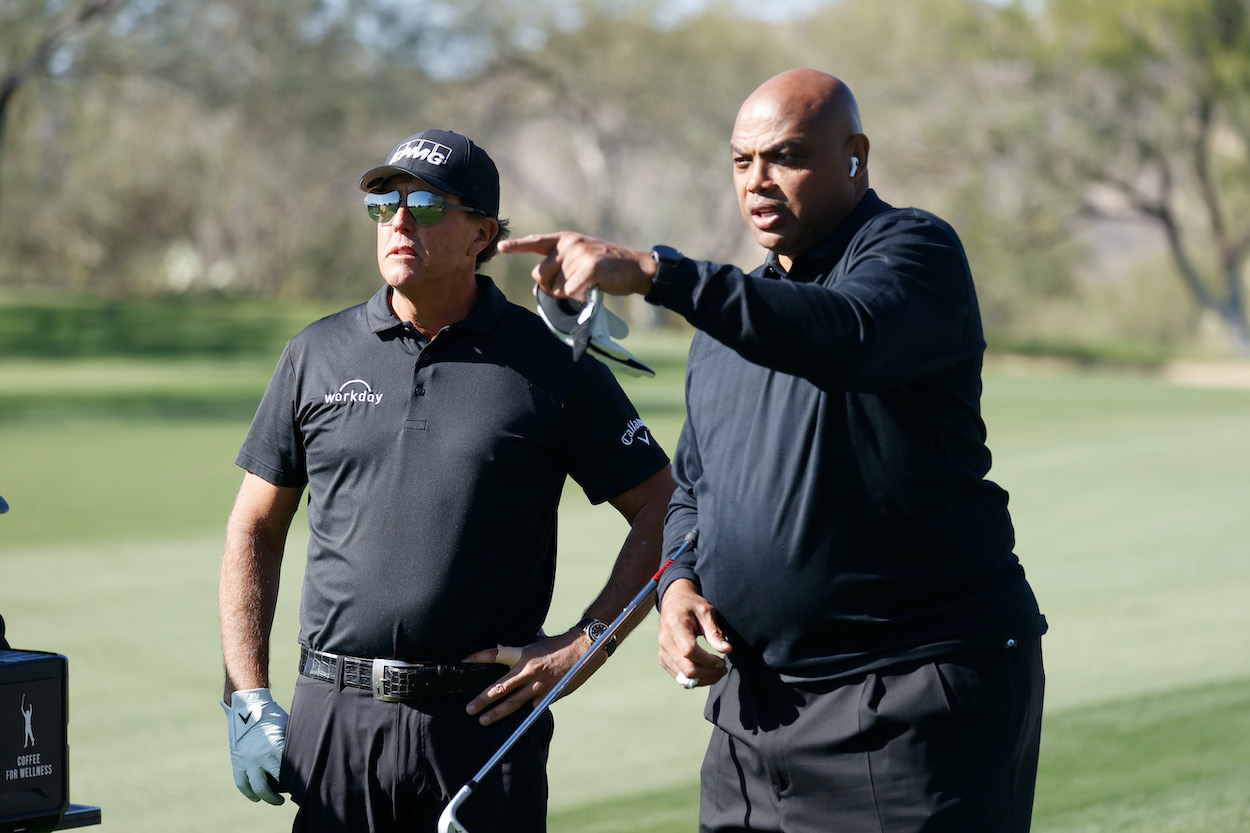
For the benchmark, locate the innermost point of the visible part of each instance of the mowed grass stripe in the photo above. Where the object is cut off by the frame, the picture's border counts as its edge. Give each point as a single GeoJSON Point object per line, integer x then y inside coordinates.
{"type": "Point", "coordinates": [1129, 497]}
{"type": "Point", "coordinates": [1171, 761]}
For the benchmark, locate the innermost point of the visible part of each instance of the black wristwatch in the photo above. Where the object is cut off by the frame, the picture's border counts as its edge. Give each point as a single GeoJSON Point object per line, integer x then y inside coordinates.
{"type": "Point", "coordinates": [594, 628]}
{"type": "Point", "coordinates": [666, 259]}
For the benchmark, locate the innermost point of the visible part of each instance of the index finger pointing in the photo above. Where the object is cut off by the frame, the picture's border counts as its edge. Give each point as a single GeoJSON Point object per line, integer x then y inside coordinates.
{"type": "Point", "coordinates": [537, 244]}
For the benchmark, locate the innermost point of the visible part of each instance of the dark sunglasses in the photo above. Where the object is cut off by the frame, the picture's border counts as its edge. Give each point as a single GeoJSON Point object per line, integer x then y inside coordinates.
{"type": "Point", "coordinates": [426, 207]}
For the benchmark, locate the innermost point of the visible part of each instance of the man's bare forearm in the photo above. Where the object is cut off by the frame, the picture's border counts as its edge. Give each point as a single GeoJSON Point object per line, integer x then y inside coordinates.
{"type": "Point", "coordinates": [247, 599]}
{"type": "Point", "coordinates": [640, 555]}
{"type": "Point", "coordinates": [251, 570]}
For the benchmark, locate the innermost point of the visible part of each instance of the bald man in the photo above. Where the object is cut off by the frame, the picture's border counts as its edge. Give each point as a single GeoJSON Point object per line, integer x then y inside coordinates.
{"type": "Point", "coordinates": [873, 649]}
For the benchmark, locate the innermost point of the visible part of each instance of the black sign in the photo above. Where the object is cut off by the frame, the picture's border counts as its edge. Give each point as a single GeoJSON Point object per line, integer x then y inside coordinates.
{"type": "Point", "coordinates": [34, 749]}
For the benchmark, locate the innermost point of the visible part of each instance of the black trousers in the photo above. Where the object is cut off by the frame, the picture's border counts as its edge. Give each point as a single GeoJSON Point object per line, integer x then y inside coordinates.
{"type": "Point", "coordinates": [356, 765]}
{"type": "Point", "coordinates": [948, 746]}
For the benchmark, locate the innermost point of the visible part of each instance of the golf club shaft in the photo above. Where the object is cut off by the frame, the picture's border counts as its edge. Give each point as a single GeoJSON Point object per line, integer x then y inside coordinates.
{"type": "Point", "coordinates": [687, 543]}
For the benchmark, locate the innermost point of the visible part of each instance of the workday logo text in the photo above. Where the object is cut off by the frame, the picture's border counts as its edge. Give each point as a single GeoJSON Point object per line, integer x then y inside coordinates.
{"type": "Point", "coordinates": [356, 391]}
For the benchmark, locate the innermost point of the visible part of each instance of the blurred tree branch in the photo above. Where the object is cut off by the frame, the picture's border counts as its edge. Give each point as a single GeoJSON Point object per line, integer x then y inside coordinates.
{"type": "Point", "coordinates": [213, 146]}
{"type": "Point", "coordinates": [1149, 100]}
{"type": "Point", "coordinates": [55, 31]}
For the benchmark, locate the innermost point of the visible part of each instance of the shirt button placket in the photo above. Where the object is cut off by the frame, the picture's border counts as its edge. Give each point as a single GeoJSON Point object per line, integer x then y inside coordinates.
{"type": "Point", "coordinates": [423, 362]}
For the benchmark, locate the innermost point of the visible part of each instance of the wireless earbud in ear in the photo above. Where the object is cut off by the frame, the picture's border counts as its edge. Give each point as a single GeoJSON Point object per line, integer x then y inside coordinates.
{"type": "Point", "coordinates": [854, 165]}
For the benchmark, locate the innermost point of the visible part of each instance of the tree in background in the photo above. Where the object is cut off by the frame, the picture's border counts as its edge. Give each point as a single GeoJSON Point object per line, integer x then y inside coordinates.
{"type": "Point", "coordinates": [943, 91]}
{"type": "Point", "coordinates": [191, 146]}
{"type": "Point", "coordinates": [38, 37]}
{"type": "Point", "coordinates": [1144, 110]}
{"type": "Point", "coordinates": [213, 146]}
{"type": "Point", "coordinates": [617, 127]}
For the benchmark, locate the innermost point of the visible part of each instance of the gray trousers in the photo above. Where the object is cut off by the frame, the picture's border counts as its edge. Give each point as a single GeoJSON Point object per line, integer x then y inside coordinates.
{"type": "Point", "coordinates": [949, 746]}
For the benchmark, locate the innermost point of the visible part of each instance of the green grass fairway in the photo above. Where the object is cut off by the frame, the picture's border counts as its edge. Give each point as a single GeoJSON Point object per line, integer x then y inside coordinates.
{"type": "Point", "coordinates": [1171, 761]}
{"type": "Point", "coordinates": [1131, 498]}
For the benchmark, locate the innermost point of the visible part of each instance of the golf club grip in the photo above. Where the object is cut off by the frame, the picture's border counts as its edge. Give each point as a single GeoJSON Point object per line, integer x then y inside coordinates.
{"type": "Point", "coordinates": [692, 538]}
{"type": "Point", "coordinates": [687, 543]}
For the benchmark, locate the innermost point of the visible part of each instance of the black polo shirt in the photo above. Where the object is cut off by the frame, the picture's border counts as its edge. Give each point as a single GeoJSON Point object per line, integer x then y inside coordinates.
{"type": "Point", "coordinates": [834, 456]}
{"type": "Point", "coordinates": [434, 471]}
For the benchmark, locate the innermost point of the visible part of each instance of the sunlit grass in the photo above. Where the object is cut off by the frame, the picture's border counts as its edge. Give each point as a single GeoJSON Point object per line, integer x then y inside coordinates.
{"type": "Point", "coordinates": [1129, 497]}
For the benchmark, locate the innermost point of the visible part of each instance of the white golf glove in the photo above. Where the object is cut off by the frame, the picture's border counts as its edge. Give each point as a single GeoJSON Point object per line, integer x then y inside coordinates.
{"type": "Point", "coordinates": [590, 327]}
{"type": "Point", "coordinates": [257, 728]}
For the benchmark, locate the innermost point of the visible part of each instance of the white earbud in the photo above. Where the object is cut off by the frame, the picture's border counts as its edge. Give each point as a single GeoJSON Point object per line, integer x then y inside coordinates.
{"type": "Point", "coordinates": [854, 165]}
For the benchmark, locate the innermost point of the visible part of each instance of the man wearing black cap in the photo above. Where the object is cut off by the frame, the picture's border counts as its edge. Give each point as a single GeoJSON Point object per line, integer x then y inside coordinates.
{"type": "Point", "coordinates": [433, 427]}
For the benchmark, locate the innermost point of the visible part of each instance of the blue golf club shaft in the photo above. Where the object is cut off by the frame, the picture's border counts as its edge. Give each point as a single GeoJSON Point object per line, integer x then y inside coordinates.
{"type": "Point", "coordinates": [449, 814]}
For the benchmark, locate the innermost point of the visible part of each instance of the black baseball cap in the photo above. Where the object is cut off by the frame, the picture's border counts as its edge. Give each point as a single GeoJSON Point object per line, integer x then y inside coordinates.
{"type": "Point", "coordinates": [448, 161]}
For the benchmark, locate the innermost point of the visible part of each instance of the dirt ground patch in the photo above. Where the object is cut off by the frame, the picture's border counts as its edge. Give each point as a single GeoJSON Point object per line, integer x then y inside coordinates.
{"type": "Point", "coordinates": [1227, 375]}
{"type": "Point", "coordinates": [1230, 375]}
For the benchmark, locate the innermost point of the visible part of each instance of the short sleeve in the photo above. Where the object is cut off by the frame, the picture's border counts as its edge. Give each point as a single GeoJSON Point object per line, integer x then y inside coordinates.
{"type": "Point", "coordinates": [609, 448]}
{"type": "Point", "coordinates": [274, 446]}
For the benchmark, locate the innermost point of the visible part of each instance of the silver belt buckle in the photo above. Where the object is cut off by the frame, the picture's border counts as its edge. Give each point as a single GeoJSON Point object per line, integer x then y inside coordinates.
{"type": "Point", "coordinates": [378, 676]}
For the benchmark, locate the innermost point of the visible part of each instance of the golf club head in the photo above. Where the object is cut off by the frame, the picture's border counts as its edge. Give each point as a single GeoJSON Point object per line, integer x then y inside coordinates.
{"type": "Point", "coordinates": [590, 326]}
{"type": "Point", "coordinates": [447, 822]}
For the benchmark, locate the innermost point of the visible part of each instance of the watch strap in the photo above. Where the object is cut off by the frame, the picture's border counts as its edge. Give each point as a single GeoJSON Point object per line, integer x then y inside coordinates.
{"type": "Point", "coordinates": [592, 627]}
{"type": "Point", "coordinates": [667, 262]}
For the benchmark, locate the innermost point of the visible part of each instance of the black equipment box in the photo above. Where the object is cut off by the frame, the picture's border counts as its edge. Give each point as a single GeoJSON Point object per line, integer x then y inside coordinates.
{"type": "Point", "coordinates": [34, 741]}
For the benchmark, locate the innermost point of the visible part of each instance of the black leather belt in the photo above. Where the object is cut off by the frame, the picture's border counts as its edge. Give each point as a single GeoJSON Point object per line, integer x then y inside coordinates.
{"type": "Point", "coordinates": [394, 681]}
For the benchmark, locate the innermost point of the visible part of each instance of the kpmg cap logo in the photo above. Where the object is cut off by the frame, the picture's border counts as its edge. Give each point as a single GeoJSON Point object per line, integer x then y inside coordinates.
{"type": "Point", "coordinates": [424, 150]}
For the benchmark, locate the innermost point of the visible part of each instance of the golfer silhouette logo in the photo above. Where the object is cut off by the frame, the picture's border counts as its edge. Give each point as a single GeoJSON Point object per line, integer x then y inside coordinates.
{"type": "Point", "coordinates": [27, 712]}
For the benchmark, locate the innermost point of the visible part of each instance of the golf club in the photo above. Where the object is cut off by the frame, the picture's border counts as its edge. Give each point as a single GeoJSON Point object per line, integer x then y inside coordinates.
{"type": "Point", "coordinates": [447, 822]}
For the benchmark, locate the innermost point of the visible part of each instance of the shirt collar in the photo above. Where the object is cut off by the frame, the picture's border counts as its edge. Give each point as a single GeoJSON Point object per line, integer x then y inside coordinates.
{"type": "Point", "coordinates": [486, 311]}
{"type": "Point", "coordinates": [835, 245]}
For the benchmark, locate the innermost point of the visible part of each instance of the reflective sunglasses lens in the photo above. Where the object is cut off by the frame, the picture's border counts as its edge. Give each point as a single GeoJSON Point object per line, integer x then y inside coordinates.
{"type": "Point", "coordinates": [382, 207]}
{"type": "Point", "coordinates": [426, 208]}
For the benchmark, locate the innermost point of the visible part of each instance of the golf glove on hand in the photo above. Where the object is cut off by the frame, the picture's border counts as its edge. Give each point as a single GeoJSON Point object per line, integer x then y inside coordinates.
{"type": "Point", "coordinates": [590, 327]}
{"type": "Point", "coordinates": [257, 727]}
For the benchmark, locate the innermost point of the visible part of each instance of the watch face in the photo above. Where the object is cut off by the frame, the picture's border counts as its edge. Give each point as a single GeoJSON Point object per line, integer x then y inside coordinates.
{"type": "Point", "coordinates": [595, 630]}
